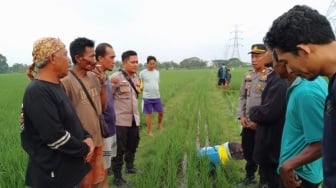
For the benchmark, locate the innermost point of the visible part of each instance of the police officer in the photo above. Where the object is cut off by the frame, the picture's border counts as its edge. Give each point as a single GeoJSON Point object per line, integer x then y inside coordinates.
{"type": "Point", "coordinates": [126, 88]}
{"type": "Point", "coordinates": [254, 82]}
{"type": "Point", "coordinates": [270, 118]}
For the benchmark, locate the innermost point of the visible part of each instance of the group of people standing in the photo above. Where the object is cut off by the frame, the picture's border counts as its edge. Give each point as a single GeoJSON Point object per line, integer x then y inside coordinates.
{"type": "Point", "coordinates": [287, 112]}
{"type": "Point", "coordinates": [288, 115]}
{"type": "Point", "coordinates": [224, 76]}
{"type": "Point", "coordinates": [62, 109]}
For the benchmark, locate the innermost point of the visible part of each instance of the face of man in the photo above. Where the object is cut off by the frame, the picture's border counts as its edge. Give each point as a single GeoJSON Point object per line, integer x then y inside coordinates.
{"type": "Point", "coordinates": [236, 150]}
{"type": "Point", "coordinates": [281, 69]}
{"type": "Point", "coordinates": [151, 64]}
{"type": "Point", "coordinates": [87, 60]}
{"type": "Point", "coordinates": [107, 61]}
{"type": "Point", "coordinates": [131, 64]}
{"type": "Point", "coordinates": [258, 61]}
{"type": "Point", "coordinates": [61, 62]}
{"type": "Point", "coordinates": [300, 65]}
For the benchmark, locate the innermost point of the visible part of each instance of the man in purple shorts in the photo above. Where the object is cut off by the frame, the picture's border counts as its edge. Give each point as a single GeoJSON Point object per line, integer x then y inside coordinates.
{"type": "Point", "coordinates": [150, 78]}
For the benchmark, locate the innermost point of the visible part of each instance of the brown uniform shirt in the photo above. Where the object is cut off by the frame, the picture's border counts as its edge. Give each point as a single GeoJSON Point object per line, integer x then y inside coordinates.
{"type": "Point", "coordinates": [125, 99]}
{"type": "Point", "coordinates": [250, 91]}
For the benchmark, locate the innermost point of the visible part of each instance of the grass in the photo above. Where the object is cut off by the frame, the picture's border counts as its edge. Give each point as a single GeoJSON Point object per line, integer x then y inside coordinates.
{"type": "Point", "coordinates": [191, 101]}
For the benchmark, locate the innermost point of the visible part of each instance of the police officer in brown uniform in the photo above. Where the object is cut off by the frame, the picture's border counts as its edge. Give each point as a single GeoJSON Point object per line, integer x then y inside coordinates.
{"type": "Point", "coordinates": [254, 82]}
{"type": "Point", "coordinates": [126, 87]}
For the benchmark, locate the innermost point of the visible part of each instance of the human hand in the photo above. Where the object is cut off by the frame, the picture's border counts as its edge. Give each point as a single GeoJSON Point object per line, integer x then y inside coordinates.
{"type": "Point", "coordinates": [252, 125]}
{"type": "Point", "coordinates": [90, 143]}
{"type": "Point", "coordinates": [244, 122]}
{"type": "Point", "coordinates": [100, 73]}
{"type": "Point", "coordinates": [21, 120]}
{"type": "Point", "coordinates": [114, 81]}
{"type": "Point", "coordinates": [289, 177]}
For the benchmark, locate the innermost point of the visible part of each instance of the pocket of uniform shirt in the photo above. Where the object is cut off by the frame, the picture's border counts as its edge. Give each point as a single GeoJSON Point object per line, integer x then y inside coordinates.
{"type": "Point", "coordinates": [122, 96]}
{"type": "Point", "coordinates": [124, 89]}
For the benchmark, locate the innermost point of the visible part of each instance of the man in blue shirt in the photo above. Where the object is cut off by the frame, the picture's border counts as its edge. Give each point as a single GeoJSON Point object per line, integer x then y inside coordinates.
{"type": "Point", "coordinates": [105, 61]}
{"type": "Point", "coordinates": [221, 74]}
{"type": "Point", "coordinates": [300, 153]}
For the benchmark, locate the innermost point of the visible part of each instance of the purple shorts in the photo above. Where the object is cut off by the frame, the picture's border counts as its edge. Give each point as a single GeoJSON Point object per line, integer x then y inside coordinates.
{"type": "Point", "coordinates": [150, 105]}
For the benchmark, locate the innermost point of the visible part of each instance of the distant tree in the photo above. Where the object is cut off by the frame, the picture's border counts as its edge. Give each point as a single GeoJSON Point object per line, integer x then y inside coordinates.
{"type": "Point", "coordinates": [118, 65]}
{"type": "Point", "coordinates": [219, 62]}
{"type": "Point", "coordinates": [193, 63]}
{"type": "Point", "coordinates": [168, 65]}
{"type": "Point", "coordinates": [18, 68]}
{"type": "Point", "coordinates": [3, 64]}
{"type": "Point", "coordinates": [142, 66]}
{"type": "Point", "coordinates": [233, 62]}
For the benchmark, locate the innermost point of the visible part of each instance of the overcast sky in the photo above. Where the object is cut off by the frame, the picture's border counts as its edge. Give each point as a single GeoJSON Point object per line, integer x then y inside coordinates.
{"type": "Point", "coordinates": [168, 29]}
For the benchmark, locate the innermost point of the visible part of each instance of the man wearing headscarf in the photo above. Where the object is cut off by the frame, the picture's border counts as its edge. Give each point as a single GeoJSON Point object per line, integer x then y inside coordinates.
{"type": "Point", "coordinates": [51, 132]}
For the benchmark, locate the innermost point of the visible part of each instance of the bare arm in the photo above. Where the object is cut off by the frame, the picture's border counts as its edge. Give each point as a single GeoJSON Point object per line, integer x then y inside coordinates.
{"type": "Point", "coordinates": [310, 153]}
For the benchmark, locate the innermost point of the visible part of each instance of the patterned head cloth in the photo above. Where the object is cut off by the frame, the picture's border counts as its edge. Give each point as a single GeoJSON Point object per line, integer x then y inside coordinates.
{"type": "Point", "coordinates": [44, 48]}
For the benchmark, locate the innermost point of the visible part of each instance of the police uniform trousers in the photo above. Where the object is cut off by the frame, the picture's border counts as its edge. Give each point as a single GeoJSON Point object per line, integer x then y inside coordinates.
{"type": "Point", "coordinates": [248, 139]}
{"type": "Point", "coordinates": [127, 142]}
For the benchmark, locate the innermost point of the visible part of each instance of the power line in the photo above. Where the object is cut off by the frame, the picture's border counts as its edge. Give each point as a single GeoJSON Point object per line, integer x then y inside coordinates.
{"type": "Point", "coordinates": [331, 14]}
{"type": "Point", "coordinates": [235, 45]}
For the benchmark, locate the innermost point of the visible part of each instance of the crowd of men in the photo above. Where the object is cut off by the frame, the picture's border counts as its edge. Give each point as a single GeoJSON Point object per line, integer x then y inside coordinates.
{"type": "Point", "coordinates": [63, 111]}
{"type": "Point", "coordinates": [287, 113]}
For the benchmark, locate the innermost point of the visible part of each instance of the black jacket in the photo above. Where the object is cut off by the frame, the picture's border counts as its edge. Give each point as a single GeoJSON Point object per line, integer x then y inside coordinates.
{"type": "Point", "coordinates": [52, 136]}
{"type": "Point", "coordinates": [270, 118]}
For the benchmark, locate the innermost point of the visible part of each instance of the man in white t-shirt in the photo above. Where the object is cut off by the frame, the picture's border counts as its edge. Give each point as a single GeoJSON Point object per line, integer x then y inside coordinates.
{"type": "Point", "coordinates": [150, 78]}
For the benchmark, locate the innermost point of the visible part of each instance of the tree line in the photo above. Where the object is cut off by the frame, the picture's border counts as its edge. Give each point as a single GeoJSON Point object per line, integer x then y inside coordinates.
{"type": "Point", "coordinates": [189, 63]}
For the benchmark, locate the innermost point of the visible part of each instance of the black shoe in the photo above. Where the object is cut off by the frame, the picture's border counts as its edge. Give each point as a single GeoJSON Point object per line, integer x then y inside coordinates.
{"type": "Point", "coordinates": [120, 182]}
{"type": "Point", "coordinates": [132, 171]}
{"type": "Point", "coordinates": [248, 181]}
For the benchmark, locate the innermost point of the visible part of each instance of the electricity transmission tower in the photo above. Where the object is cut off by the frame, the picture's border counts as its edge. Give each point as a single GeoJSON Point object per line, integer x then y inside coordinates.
{"type": "Point", "coordinates": [331, 14]}
{"type": "Point", "coordinates": [236, 44]}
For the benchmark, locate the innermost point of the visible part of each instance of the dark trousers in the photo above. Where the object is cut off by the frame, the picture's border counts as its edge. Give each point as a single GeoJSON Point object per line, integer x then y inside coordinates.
{"type": "Point", "coordinates": [268, 175]}
{"type": "Point", "coordinates": [221, 81]}
{"type": "Point", "coordinates": [248, 147]}
{"type": "Point", "coordinates": [127, 142]}
{"type": "Point", "coordinates": [305, 184]}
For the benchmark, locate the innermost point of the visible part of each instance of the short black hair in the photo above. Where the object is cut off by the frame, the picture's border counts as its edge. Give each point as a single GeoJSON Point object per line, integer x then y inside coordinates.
{"type": "Point", "coordinates": [101, 49]}
{"type": "Point", "coordinates": [300, 25]}
{"type": "Point", "coordinates": [125, 56]}
{"type": "Point", "coordinates": [150, 58]}
{"type": "Point", "coordinates": [77, 47]}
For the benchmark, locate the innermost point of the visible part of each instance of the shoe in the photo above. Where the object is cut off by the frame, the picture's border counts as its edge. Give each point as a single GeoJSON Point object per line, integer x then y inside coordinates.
{"type": "Point", "coordinates": [132, 171]}
{"type": "Point", "coordinates": [120, 182]}
{"type": "Point", "coordinates": [248, 181]}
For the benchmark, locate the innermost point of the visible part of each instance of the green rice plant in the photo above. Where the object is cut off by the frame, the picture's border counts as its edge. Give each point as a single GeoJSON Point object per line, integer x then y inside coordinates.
{"type": "Point", "coordinates": [192, 102]}
{"type": "Point", "coordinates": [13, 160]}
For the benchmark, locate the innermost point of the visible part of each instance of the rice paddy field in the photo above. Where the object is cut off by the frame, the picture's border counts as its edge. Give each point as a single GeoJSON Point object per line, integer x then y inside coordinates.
{"type": "Point", "coordinates": [196, 114]}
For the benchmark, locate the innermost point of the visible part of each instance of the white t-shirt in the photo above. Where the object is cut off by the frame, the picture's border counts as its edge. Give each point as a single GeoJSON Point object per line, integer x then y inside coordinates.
{"type": "Point", "coordinates": [151, 80]}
